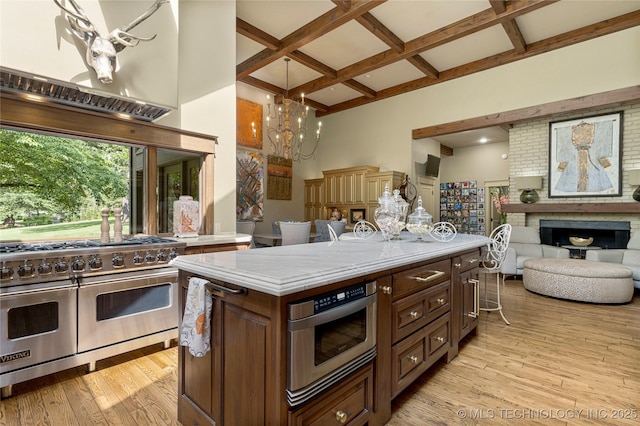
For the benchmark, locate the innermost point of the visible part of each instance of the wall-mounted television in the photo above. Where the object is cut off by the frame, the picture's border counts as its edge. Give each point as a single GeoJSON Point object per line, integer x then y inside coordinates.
{"type": "Point", "coordinates": [432, 166]}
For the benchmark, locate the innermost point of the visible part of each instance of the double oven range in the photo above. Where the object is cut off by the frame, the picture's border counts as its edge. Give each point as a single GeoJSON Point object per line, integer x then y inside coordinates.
{"type": "Point", "coordinates": [69, 303]}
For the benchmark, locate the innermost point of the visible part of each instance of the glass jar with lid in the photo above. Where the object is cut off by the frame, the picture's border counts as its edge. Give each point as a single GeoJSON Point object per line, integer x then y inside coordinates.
{"type": "Point", "coordinates": [387, 214]}
{"type": "Point", "coordinates": [420, 222]}
{"type": "Point", "coordinates": [403, 208]}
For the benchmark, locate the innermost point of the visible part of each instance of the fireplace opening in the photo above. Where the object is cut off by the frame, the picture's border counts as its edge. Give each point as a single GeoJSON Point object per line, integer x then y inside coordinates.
{"type": "Point", "coordinates": [606, 234]}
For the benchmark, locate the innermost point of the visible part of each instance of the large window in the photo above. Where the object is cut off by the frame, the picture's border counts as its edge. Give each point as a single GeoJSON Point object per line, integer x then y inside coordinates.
{"type": "Point", "coordinates": [54, 187]}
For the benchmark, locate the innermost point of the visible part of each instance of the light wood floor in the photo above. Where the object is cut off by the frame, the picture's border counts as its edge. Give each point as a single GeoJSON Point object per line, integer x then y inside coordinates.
{"type": "Point", "coordinates": [558, 363]}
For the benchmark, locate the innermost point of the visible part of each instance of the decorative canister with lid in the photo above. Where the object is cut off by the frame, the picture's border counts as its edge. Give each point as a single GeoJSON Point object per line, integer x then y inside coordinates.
{"type": "Point", "coordinates": [186, 217]}
{"type": "Point", "coordinates": [387, 213]}
{"type": "Point", "coordinates": [403, 207]}
{"type": "Point", "coordinates": [420, 222]}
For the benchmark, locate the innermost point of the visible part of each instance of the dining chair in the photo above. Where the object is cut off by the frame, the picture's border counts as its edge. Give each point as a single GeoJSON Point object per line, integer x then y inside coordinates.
{"type": "Point", "coordinates": [332, 233]}
{"type": "Point", "coordinates": [492, 258]}
{"type": "Point", "coordinates": [295, 232]}
{"type": "Point", "coordinates": [246, 227]}
{"type": "Point", "coordinates": [322, 230]}
{"type": "Point", "coordinates": [338, 226]}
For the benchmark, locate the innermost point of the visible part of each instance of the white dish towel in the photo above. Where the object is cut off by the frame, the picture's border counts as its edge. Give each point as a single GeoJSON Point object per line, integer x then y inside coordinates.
{"type": "Point", "coordinates": [195, 331]}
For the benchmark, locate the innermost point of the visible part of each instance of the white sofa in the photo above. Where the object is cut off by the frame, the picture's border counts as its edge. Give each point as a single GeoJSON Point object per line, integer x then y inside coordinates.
{"type": "Point", "coordinates": [525, 244]}
{"type": "Point", "coordinates": [629, 257]}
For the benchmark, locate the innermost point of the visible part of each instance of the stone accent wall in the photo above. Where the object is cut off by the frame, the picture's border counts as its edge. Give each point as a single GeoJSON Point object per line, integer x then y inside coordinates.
{"type": "Point", "coordinates": [529, 156]}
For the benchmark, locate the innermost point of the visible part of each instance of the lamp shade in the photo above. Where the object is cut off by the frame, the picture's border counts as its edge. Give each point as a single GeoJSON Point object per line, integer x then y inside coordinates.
{"type": "Point", "coordinates": [528, 182]}
{"type": "Point", "coordinates": [634, 177]}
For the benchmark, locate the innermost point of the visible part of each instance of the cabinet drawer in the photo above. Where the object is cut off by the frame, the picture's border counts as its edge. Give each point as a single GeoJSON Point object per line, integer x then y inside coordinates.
{"type": "Point", "coordinates": [415, 311]}
{"type": "Point", "coordinates": [416, 279]}
{"type": "Point", "coordinates": [467, 261]}
{"type": "Point", "coordinates": [415, 354]}
{"type": "Point", "coordinates": [349, 401]}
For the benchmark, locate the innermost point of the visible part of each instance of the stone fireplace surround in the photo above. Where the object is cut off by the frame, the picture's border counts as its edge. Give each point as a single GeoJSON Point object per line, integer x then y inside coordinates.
{"type": "Point", "coordinates": [606, 234]}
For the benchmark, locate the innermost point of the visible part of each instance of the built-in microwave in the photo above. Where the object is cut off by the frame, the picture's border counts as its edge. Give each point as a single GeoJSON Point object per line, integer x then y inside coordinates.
{"type": "Point", "coordinates": [330, 336]}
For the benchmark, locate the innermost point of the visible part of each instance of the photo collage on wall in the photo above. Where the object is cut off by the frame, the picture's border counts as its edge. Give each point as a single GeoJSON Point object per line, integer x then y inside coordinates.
{"type": "Point", "coordinates": [463, 204]}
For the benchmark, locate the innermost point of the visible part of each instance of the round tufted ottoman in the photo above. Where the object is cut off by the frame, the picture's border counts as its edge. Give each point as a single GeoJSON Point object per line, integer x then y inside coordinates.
{"type": "Point", "coordinates": [580, 280]}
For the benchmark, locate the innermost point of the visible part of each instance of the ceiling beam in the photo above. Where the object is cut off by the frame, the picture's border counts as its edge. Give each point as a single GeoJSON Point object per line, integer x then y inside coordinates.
{"type": "Point", "coordinates": [359, 87]}
{"type": "Point", "coordinates": [312, 63]}
{"type": "Point", "coordinates": [510, 27]}
{"type": "Point", "coordinates": [256, 34]}
{"type": "Point", "coordinates": [611, 98]}
{"type": "Point", "coordinates": [579, 35]}
{"type": "Point", "coordinates": [379, 30]}
{"type": "Point", "coordinates": [277, 91]}
{"type": "Point", "coordinates": [318, 27]}
{"type": "Point", "coordinates": [425, 67]}
{"type": "Point", "coordinates": [454, 31]}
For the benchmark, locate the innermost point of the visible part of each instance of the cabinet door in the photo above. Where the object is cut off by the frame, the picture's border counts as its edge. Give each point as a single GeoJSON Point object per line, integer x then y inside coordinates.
{"type": "Point", "coordinates": [349, 188]}
{"type": "Point", "coordinates": [469, 315]}
{"type": "Point", "coordinates": [332, 189]}
{"type": "Point", "coordinates": [213, 389]}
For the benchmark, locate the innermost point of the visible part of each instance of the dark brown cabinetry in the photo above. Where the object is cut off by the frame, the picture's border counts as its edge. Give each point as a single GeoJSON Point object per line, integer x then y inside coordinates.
{"type": "Point", "coordinates": [423, 311]}
{"type": "Point", "coordinates": [348, 403]}
{"type": "Point", "coordinates": [240, 366]}
{"type": "Point", "coordinates": [465, 288]}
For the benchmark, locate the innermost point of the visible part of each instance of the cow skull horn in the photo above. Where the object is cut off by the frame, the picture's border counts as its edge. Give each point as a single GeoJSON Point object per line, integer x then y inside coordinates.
{"type": "Point", "coordinates": [101, 51]}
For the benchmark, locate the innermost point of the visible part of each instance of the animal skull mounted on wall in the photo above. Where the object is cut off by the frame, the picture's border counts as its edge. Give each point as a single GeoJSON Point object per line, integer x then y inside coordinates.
{"type": "Point", "coordinates": [101, 51]}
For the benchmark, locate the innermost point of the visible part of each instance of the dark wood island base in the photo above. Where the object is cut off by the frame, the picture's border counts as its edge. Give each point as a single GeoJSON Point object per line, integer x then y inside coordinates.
{"type": "Point", "coordinates": [424, 309]}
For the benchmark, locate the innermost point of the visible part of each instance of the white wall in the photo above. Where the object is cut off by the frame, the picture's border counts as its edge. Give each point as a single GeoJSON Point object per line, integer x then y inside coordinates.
{"type": "Point", "coordinates": [376, 134]}
{"type": "Point", "coordinates": [208, 93]}
{"type": "Point", "coordinates": [35, 38]}
{"type": "Point", "coordinates": [480, 163]}
{"type": "Point", "coordinates": [380, 133]}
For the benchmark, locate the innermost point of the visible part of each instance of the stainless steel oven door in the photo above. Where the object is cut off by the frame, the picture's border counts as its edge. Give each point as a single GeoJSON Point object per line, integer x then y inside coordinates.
{"type": "Point", "coordinates": [322, 343]}
{"type": "Point", "coordinates": [37, 324]}
{"type": "Point", "coordinates": [121, 307]}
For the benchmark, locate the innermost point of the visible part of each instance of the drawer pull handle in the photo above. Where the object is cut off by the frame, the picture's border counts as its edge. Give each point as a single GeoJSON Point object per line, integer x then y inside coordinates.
{"type": "Point", "coordinates": [386, 289]}
{"type": "Point", "coordinates": [457, 265]}
{"type": "Point", "coordinates": [414, 314]}
{"type": "Point", "coordinates": [414, 359]}
{"type": "Point", "coordinates": [341, 416]}
{"type": "Point", "coordinates": [472, 261]}
{"type": "Point", "coordinates": [441, 301]}
{"type": "Point", "coordinates": [440, 339]}
{"type": "Point", "coordinates": [433, 276]}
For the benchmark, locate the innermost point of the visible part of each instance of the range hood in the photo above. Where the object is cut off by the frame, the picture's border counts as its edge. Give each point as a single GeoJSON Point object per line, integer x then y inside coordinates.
{"type": "Point", "coordinates": [47, 89]}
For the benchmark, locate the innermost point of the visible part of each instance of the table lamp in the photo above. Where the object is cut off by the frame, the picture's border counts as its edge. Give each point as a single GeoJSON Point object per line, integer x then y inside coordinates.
{"type": "Point", "coordinates": [634, 180]}
{"type": "Point", "coordinates": [528, 185]}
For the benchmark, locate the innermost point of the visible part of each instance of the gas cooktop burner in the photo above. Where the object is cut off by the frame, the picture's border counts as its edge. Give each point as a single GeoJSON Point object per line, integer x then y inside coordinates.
{"type": "Point", "coordinates": [63, 245]}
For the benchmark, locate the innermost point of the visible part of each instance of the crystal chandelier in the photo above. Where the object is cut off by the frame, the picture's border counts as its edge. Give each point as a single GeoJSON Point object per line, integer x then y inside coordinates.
{"type": "Point", "coordinates": [287, 127]}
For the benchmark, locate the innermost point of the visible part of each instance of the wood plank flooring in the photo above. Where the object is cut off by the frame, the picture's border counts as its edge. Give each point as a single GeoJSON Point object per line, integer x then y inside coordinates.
{"type": "Point", "coordinates": [558, 363]}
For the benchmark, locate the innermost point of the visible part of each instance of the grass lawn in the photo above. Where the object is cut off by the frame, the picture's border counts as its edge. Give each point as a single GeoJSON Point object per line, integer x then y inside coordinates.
{"type": "Point", "coordinates": [89, 229]}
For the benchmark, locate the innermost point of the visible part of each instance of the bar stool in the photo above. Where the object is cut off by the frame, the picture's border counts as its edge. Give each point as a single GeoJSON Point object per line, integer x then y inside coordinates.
{"type": "Point", "coordinates": [491, 262]}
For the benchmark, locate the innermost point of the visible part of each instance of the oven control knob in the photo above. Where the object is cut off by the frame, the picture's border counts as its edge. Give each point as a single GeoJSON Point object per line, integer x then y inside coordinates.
{"type": "Point", "coordinates": [44, 268]}
{"type": "Point", "coordinates": [162, 256]}
{"type": "Point", "coordinates": [138, 259]}
{"type": "Point", "coordinates": [149, 257]}
{"type": "Point", "coordinates": [61, 266]}
{"type": "Point", "coordinates": [173, 254]}
{"type": "Point", "coordinates": [26, 270]}
{"type": "Point", "coordinates": [117, 260]}
{"type": "Point", "coordinates": [77, 264]}
{"type": "Point", "coordinates": [95, 263]}
{"type": "Point", "coordinates": [5, 272]}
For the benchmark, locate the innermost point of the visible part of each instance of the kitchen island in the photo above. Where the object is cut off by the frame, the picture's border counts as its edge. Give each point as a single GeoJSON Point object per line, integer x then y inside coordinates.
{"type": "Point", "coordinates": [426, 303]}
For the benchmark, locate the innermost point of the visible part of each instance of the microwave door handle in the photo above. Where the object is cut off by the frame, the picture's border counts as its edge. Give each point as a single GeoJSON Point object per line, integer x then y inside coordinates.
{"type": "Point", "coordinates": [331, 314]}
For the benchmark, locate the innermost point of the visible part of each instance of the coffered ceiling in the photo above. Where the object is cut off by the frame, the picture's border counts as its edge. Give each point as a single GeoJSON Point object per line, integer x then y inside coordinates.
{"type": "Point", "coordinates": [349, 53]}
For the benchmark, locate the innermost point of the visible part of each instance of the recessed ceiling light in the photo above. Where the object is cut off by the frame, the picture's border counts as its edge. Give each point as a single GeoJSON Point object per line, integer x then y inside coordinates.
{"type": "Point", "coordinates": [484, 140]}
{"type": "Point", "coordinates": [367, 75]}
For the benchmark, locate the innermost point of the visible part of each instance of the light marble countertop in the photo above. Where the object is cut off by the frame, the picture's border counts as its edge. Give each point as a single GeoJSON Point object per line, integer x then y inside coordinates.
{"type": "Point", "coordinates": [289, 269]}
{"type": "Point", "coordinates": [223, 238]}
